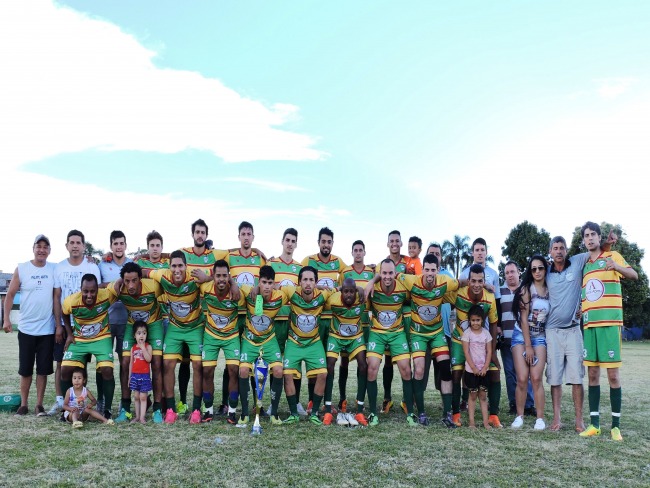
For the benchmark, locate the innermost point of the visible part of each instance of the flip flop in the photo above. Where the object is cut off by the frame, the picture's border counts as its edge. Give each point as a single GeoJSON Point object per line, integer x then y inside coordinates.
{"type": "Point", "coordinates": [556, 427]}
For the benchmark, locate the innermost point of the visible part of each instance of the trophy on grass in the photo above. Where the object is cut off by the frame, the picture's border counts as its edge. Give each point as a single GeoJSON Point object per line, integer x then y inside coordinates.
{"type": "Point", "coordinates": [260, 372]}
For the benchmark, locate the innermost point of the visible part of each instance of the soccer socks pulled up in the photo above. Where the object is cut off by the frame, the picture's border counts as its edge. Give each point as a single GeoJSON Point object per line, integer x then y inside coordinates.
{"type": "Point", "coordinates": [615, 399]}
{"type": "Point", "coordinates": [372, 396]}
{"type": "Point", "coordinates": [99, 381]}
{"type": "Point", "coordinates": [233, 399]}
{"type": "Point", "coordinates": [329, 386]}
{"type": "Point", "coordinates": [418, 390]}
{"type": "Point", "coordinates": [276, 394]}
{"type": "Point", "coordinates": [455, 397]}
{"type": "Point", "coordinates": [494, 396]}
{"type": "Point", "coordinates": [446, 403]}
{"type": "Point", "coordinates": [225, 380]}
{"type": "Point", "coordinates": [317, 401]}
{"type": "Point", "coordinates": [388, 378]}
{"type": "Point", "coordinates": [407, 388]}
{"type": "Point", "coordinates": [343, 382]}
{"type": "Point", "coordinates": [362, 385]}
{"type": "Point", "coordinates": [310, 389]}
{"type": "Point", "coordinates": [171, 403]}
{"type": "Point", "coordinates": [297, 383]}
{"type": "Point", "coordinates": [208, 400]}
{"type": "Point", "coordinates": [65, 386]}
{"type": "Point", "coordinates": [109, 391]}
{"type": "Point", "coordinates": [196, 402]}
{"type": "Point", "coordinates": [126, 404]}
{"type": "Point", "coordinates": [293, 404]}
{"type": "Point", "coordinates": [183, 380]}
{"type": "Point", "coordinates": [156, 406]}
{"type": "Point", "coordinates": [244, 386]}
{"type": "Point", "coordinates": [594, 405]}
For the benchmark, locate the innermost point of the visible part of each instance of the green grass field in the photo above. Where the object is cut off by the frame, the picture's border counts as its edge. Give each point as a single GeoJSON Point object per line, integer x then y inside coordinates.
{"type": "Point", "coordinates": [43, 451]}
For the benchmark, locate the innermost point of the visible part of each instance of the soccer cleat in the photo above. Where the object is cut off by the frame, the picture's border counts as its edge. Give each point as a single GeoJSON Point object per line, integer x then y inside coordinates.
{"type": "Point", "coordinates": [351, 419]}
{"type": "Point", "coordinates": [77, 424]}
{"type": "Point", "coordinates": [616, 434]}
{"type": "Point", "coordinates": [343, 406]}
{"type": "Point", "coordinates": [361, 419]}
{"type": "Point", "coordinates": [275, 420]}
{"type": "Point", "coordinates": [157, 417]}
{"type": "Point", "coordinates": [342, 419]}
{"type": "Point", "coordinates": [518, 422]}
{"type": "Point", "coordinates": [310, 405]}
{"type": "Point", "coordinates": [328, 418]}
{"type": "Point", "coordinates": [315, 420]}
{"type": "Point", "coordinates": [232, 418]}
{"type": "Point", "coordinates": [402, 404]}
{"type": "Point", "coordinates": [386, 406]}
{"type": "Point", "coordinates": [22, 411]}
{"type": "Point", "coordinates": [110, 422]}
{"type": "Point", "coordinates": [243, 422]}
{"type": "Point", "coordinates": [291, 419]}
{"type": "Point", "coordinates": [124, 416]}
{"type": "Point", "coordinates": [222, 410]}
{"type": "Point", "coordinates": [56, 408]}
{"type": "Point", "coordinates": [40, 411]}
{"type": "Point", "coordinates": [195, 418]}
{"type": "Point", "coordinates": [207, 417]}
{"type": "Point", "coordinates": [181, 408]}
{"type": "Point", "coordinates": [423, 419]}
{"type": "Point", "coordinates": [170, 416]}
{"type": "Point", "coordinates": [540, 424]}
{"type": "Point", "coordinates": [463, 406]}
{"type": "Point", "coordinates": [373, 420]}
{"type": "Point", "coordinates": [494, 421]}
{"type": "Point", "coordinates": [448, 422]}
{"type": "Point", "coordinates": [301, 410]}
{"type": "Point", "coordinates": [590, 431]}
{"type": "Point", "coordinates": [411, 419]}
{"type": "Point", "coordinates": [455, 418]}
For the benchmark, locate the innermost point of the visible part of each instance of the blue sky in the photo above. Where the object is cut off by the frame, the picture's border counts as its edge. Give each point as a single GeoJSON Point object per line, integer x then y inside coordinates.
{"type": "Point", "coordinates": [437, 119]}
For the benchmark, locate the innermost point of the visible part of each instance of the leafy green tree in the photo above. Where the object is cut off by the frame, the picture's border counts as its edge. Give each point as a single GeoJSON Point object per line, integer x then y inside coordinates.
{"type": "Point", "coordinates": [456, 252]}
{"type": "Point", "coordinates": [636, 294]}
{"type": "Point", "coordinates": [92, 251]}
{"type": "Point", "coordinates": [524, 241]}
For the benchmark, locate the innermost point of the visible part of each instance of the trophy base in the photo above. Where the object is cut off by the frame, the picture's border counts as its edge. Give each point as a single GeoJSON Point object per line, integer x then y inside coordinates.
{"type": "Point", "coordinates": [256, 430]}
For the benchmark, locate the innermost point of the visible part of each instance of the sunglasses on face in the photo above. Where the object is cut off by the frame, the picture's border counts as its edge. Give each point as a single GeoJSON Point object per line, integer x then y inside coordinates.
{"type": "Point", "coordinates": [535, 269]}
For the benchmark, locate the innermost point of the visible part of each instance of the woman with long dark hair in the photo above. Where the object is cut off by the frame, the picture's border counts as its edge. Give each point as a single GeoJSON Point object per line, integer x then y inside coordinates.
{"type": "Point", "coordinates": [530, 306]}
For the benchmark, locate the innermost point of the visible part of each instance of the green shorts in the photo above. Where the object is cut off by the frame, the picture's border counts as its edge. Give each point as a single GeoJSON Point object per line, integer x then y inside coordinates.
{"type": "Point", "coordinates": [395, 342]}
{"type": "Point", "coordinates": [177, 336]}
{"type": "Point", "coordinates": [458, 357]}
{"type": "Point", "coordinates": [241, 323]}
{"type": "Point", "coordinates": [324, 329]}
{"type": "Point", "coordinates": [155, 336]}
{"type": "Point", "coordinates": [251, 351]}
{"type": "Point", "coordinates": [281, 333]}
{"type": "Point", "coordinates": [436, 343]}
{"type": "Point", "coordinates": [602, 347]}
{"type": "Point", "coordinates": [313, 355]}
{"type": "Point", "coordinates": [352, 347]}
{"type": "Point", "coordinates": [211, 347]}
{"type": "Point", "coordinates": [79, 352]}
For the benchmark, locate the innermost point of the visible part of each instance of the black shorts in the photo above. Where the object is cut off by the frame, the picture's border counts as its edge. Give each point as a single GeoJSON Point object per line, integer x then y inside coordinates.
{"type": "Point", "coordinates": [35, 349]}
{"type": "Point", "coordinates": [474, 382]}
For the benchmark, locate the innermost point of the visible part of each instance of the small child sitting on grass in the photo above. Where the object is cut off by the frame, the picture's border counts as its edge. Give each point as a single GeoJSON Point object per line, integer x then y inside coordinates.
{"type": "Point", "coordinates": [79, 402]}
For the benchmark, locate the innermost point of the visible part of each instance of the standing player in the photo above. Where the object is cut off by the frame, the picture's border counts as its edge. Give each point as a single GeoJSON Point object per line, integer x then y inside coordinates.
{"type": "Point", "coordinates": [221, 333]}
{"type": "Point", "coordinates": [475, 294]}
{"type": "Point", "coordinates": [259, 339]}
{"type": "Point", "coordinates": [89, 334]}
{"type": "Point", "coordinates": [387, 332]}
{"type": "Point", "coordinates": [117, 318]}
{"type": "Point", "coordinates": [67, 280]}
{"type": "Point", "coordinates": [286, 274]}
{"type": "Point", "coordinates": [140, 297]}
{"type": "Point", "coordinates": [602, 315]}
{"type": "Point", "coordinates": [328, 267]}
{"type": "Point", "coordinates": [428, 292]}
{"type": "Point", "coordinates": [348, 308]}
{"type": "Point", "coordinates": [154, 258]}
{"type": "Point", "coordinates": [186, 326]}
{"type": "Point", "coordinates": [361, 274]}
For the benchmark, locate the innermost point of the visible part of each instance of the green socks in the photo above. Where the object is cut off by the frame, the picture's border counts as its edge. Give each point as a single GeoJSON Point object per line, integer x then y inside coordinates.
{"type": "Point", "coordinates": [276, 393]}
{"type": "Point", "coordinates": [362, 384]}
{"type": "Point", "coordinates": [372, 396]}
{"type": "Point", "coordinates": [293, 404]}
{"type": "Point", "coordinates": [494, 396]}
{"type": "Point", "coordinates": [616, 400]}
{"type": "Point", "coordinates": [109, 391]}
{"type": "Point", "coordinates": [455, 397]}
{"type": "Point", "coordinates": [418, 389]}
{"type": "Point", "coordinates": [244, 386]}
{"type": "Point", "coordinates": [446, 403]}
{"type": "Point", "coordinates": [316, 407]}
{"type": "Point", "coordinates": [594, 405]}
{"type": "Point", "coordinates": [329, 386]}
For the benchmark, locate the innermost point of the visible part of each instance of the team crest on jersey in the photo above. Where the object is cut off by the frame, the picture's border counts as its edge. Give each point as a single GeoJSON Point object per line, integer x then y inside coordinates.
{"type": "Point", "coordinates": [332, 265]}
{"type": "Point", "coordinates": [90, 330]}
{"type": "Point", "coordinates": [143, 300]}
{"type": "Point", "coordinates": [601, 263]}
{"type": "Point", "coordinates": [594, 290]}
{"type": "Point", "coordinates": [205, 259]}
{"type": "Point", "coordinates": [260, 323]}
{"type": "Point", "coordinates": [100, 309]}
{"type": "Point", "coordinates": [219, 320]}
{"type": "Point", "coordinates": [228, 304]}
{"type": "Point", "coordinates": [306, 323]}
{"type": "Point", "coordinates": [365, 275]}
{"type": "Point", "coordinates": [184, 289]}
{"type": "Point", "coordinates": [395, 298]}
{"type": "Point", "coordinates": [293, 268]}
{"type": "Point", "coordinates": [357, 310]}
{"type": "Point", "coordinates": [610, 354]}
{"type": "Point", "coordinates": [437, 293]}
{"type": "Point", "coordinates": [314, 303]}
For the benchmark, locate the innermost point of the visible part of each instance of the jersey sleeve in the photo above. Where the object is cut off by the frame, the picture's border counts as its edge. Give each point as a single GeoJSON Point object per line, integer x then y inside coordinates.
{"type": "Point", "coordinates": [407, 280]}
{"type": "Point", "coordinates": [288, 291]}
{"type": "Point", "coordinates": [220, 254]}
{"type": "Point", "coordinates": [342, 264]}
{"type": "Point", "coordinates": [110, 297]}
{"type": "Point", "coordinates": [157, 274]}
{"type": "Point", "coordinates": [205, 287]}
{"type": "Point", "coordinates": [67, 305]}
{"type": "Point", "coordinates": [620, 260]}
{"type": "Point", "coordinates": [493, 318]}
{"type": "Point", "coordinates": [112, 290]}
{"type": "Point", "coordinates": [245, 290]}
{"type": "Point", "coordinates": [305, 262]}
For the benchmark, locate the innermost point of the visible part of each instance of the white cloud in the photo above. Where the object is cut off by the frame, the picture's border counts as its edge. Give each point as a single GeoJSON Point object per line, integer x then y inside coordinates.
{"type": "Point", "coordinates": [71, 83]}
{"type": "Point", "coordinates": [613, 87]}
{"type": "Point", "coordinates": [265, 184]}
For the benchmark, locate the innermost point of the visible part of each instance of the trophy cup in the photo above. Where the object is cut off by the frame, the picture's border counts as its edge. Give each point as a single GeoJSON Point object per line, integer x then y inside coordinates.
{"type": "Point", "coordinates": [260, 372]}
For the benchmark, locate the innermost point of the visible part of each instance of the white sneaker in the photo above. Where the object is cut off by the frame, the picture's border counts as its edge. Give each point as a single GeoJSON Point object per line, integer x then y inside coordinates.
{"type": "Point", "coordinates": [540, 424]}
{"type": "Point", "coordinates": [56, 408]}
{"type": "Point", "coordinates": [301, 410]}
{"type": "Point", "coordinates": [518, 422]}
{"type": "Point", "coordinates": [351, 420]}
{"type": "Point", "coordinates": [342, 419]}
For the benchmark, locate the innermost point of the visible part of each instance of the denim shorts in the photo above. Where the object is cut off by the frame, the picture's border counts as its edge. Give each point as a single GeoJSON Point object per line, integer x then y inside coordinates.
{"type": "Point", "coordinates": [518, 339]}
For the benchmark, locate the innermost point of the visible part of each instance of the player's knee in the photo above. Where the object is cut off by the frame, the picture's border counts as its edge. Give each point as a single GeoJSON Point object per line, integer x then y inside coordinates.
{"type": "Point", "coordinates": [444, 367]}
{"type": "Point", "coordinates": [107, 373]}
{"type": "Point", "coordinates": [362, 368]}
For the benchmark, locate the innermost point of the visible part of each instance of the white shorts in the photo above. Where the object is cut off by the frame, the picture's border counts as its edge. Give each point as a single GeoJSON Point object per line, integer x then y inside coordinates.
{"type": "Point", "coordinates": [564, 356]}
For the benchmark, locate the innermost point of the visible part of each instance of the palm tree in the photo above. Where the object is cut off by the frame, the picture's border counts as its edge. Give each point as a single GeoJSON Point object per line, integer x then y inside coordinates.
{"type": "Point", "coordinates": [456, 252]}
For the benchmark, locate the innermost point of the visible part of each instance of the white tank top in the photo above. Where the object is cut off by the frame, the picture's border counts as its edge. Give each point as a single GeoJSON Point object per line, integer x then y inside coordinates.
{"type": "Point", "coordinates": [36, 301]}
